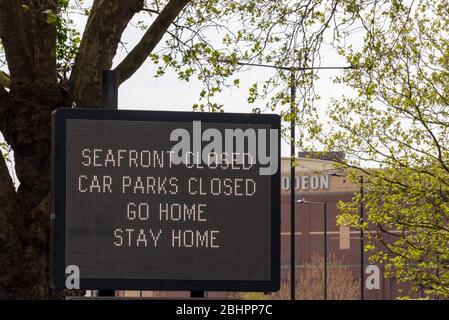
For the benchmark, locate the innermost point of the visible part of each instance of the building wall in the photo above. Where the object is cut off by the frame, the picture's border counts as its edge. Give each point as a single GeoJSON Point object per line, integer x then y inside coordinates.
{"type": "Point", "coordinates": [343, 243]}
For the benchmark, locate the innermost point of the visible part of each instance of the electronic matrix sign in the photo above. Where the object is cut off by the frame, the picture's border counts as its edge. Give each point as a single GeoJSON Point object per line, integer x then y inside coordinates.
{"type": "Point", "coordinates": [166, 200]}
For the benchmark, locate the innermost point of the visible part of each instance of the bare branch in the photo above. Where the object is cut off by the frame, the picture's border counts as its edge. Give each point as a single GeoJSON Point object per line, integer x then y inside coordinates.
{"type": "Point", "coordinates": [151, 11]}
{"type": "Point", "coordinates": [151, 38]}
{"type": "Point", "coordinates": [107, 21]}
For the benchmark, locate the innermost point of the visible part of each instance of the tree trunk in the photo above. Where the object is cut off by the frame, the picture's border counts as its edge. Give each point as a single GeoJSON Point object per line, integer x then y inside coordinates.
{"type": "Point", "coordinates": [25, 234]}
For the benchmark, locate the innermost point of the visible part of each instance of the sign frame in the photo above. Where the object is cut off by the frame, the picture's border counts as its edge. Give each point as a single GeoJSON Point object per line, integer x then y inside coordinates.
{"type": "Point", "coordinates": [58, 193]}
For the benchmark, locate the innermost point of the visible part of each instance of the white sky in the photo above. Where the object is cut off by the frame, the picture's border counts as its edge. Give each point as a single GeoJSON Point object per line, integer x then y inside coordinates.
{"type": "Point", "coordinates": [145, 92]}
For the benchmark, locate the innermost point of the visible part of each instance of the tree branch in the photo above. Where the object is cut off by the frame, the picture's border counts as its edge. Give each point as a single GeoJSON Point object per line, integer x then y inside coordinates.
{"type": "Point", "coordinates": [151, 38]}
{"type": "Point", "coordinates": [5, 80]}
{"type": "Point", "coordinates": [107, 21]}
{"type": "Point", "coordinates": [13, 38]}
{"type": "Point", "coordinates": [29, 41]}
{"type": "Point", "coordinates": [4, 108]}
{"type": "Point", "coordinates": [151, 11]}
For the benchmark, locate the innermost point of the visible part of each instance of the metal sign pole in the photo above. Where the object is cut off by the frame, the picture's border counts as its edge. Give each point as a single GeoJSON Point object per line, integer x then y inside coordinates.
{"type": "Point", "coordinates": [109, 90]}
{"type": "Point", "coordinates": [362, 255]}
{"type": "Point", "coordinates": [292, 186]}
{"type": "Point", "coordinates": [109, 100]}
{"type": "Point", "coordinates": [197, 294]}
{"type": "Point", "coordinates": [325, 248]}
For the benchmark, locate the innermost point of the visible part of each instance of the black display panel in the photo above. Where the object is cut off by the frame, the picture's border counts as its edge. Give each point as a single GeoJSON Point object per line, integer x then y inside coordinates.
{"type": "Point", "coordinates": [128, 216]}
